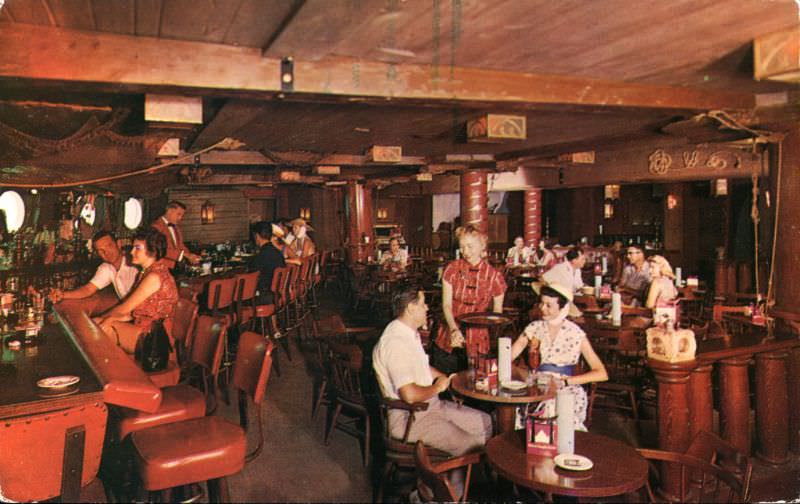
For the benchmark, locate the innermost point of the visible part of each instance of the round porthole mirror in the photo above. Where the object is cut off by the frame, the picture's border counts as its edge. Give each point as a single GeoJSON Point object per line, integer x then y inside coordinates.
{"type": "Point", "coordinates": [11, 203]}
{"type": "Point", "coordinates": [133, 213]}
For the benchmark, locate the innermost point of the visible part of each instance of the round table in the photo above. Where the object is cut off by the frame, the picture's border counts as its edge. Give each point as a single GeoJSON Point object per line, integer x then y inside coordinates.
{"type": "Point", "coordinates": [618, 468]}
{"type": "Point", "coordinates": [505, 401]}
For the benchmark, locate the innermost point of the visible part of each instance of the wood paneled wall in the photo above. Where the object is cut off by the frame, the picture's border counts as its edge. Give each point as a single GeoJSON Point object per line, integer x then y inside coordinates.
{"type": "Point", "coordinates": [327, 212]}
{"type": "Point", "coordinates": [231, 222]}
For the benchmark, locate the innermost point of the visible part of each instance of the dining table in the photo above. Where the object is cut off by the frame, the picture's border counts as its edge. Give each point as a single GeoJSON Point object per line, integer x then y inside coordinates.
{"type": "Point", "coordinates": [617, 468]}
{"type": "Point", "coordinates": [505, 400]}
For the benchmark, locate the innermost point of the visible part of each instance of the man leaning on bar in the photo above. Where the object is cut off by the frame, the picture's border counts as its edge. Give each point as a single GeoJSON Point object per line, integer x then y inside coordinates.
{"type": "Point", "coordinates": [115, 270]}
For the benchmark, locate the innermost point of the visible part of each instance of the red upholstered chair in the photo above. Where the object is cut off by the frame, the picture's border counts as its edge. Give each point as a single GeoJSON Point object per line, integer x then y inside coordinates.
{"type": "Point", "coordinates": [248, 312]}
{"type": "Point", "coordinates": [208, 347]}
{"type": "Point", "coordinates": [209, 448]}
{"type": "Point", "coordinates": [183, 328]}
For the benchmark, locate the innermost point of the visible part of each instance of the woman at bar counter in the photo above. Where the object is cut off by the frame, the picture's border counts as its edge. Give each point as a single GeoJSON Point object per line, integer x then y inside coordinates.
{"type": "Point", "coordinates": [153, 298]}
{"type": "Point", "coordinates": [662, 287]}
{"type": "Point", "coordinates": [469, 285]}
{"type": "Point", "coordinates": [560, 343]}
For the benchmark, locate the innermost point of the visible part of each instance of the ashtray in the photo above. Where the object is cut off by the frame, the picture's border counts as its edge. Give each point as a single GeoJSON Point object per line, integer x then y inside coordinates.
{"type": "Point", "coordinates": [573, 462]}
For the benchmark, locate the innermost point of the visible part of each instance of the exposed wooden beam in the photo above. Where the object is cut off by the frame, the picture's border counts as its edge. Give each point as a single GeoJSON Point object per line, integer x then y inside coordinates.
{"type": "Point", "coordinates": [56, 54]}
{"type": "Point", "coordinates": [256, 158]}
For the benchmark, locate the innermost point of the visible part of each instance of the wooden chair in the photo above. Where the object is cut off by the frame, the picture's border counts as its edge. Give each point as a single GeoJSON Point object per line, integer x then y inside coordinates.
{"type": "Point", "coordinates": [432, 484]}
{"type": "Point", "coordinates": [399, 452]}
{"type": "Point", "coordinates": [711, 470]}
{"type": "Point", "coordinates": [622, 353]}
{"type": "Point", "coordinates": [348, 395]}
{"type": "Point", "coordinates": [209, 448]}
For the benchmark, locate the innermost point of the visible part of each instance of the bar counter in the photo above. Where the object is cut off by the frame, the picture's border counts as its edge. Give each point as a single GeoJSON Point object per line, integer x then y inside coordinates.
{"type": "Point", "coordinates": [52, 440]}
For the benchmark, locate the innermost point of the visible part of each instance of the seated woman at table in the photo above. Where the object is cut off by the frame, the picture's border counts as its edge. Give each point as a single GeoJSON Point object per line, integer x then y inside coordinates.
{"type": "Point", "coordinates": [560, 344]}
{"type": "Point", "coordinates": [662, 287]}
{"type": "Point", "coordinates": [469, 285]}
{"type": "Point", "coordinates": [153, 297]}
{"type": "Point", "coordinates": [396, 258]}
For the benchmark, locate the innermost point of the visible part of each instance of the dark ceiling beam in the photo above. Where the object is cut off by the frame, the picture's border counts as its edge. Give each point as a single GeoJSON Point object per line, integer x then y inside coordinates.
{"type": "Point", "coordinates": [285, 22]}
{"type": "Point", "coordinates": [61, 55]}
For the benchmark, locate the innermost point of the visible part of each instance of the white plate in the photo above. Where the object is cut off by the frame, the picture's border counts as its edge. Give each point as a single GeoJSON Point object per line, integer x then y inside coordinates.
{"type": "Point", "coordinates": [514, 385]}
{"type": "Point", "coordinates": [573, 462]}
{"type": "Point", "coordinates": [58, 381]}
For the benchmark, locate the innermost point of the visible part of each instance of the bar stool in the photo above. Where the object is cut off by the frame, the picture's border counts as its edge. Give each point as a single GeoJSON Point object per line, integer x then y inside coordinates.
{"type": "Point", "coordinates": [219, 303]}
{"type": "Point", "coordinates": [184, 319]}
{"type": "Point", "coordinates": [280, 287]}
{"type": "Point", "coordinates": [207, 352]}
{"type": "Point", "coordinates": [170, 375]}
{"type": "Point", "coordinates": [209, 448]}
{"type": "Point", "coordinates": [248, 312]}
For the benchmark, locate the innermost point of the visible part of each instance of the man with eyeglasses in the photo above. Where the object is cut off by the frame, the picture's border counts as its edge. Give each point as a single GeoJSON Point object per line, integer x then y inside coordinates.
{"type": "Point", "coordinates": [635, 277]}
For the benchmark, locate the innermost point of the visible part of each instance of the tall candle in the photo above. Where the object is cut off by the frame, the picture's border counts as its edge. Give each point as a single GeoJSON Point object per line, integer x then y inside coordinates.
{"type": "Point", "coordinates": [503, 360]}
{"type": "Point", "coordinates": [604, 264]}
{"type": "Point", "coordinates": [565, 409]}
{"type": "Point", "coordinates": [678, 276]}
{"type": "Point", "coordinates": [598, 283]}
{"type": "Point", "coordinates": [616, 309]}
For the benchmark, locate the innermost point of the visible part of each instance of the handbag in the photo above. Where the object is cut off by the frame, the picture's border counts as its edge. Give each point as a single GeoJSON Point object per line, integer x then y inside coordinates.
{"type": "Point", "coordinates": [153, 349]}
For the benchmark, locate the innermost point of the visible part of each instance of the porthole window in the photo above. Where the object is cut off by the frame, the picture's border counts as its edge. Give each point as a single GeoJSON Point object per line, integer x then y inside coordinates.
{"type": "Point", "coordinates": [11, 203]}
{"type": "Point", "coordinates": [133, 213]}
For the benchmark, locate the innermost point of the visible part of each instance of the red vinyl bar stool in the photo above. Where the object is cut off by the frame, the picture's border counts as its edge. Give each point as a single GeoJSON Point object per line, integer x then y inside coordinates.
{"type": "Point", "coordinates": [171, 375]}
{"type": "Point", "coordinates": [248, 312]}
{"type": "Point", "coordinates": [280, 297]}
{"type": "Point", "coordinates": [209, 448]}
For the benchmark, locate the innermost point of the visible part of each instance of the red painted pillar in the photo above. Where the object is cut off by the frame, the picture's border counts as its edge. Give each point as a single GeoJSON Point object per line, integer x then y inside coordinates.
{"type": "Point", "coordinates": [772, 407]}
{"type": "Point", "coordinates": [673, 417]}
{"type": "Point", "coordinates": [734, 389]}
{"type": "Point", "coordinates": [359, 223]}
{"type": "Point", "coordinates": [533, 217]}
{"type": "Point", "coordinates": [474, 200]}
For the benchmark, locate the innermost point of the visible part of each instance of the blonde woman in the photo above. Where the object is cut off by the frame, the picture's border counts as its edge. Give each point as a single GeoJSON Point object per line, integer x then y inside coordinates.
{"type": "Point", "coordinates": [469, 285]}
{"type": "Point", "coordinates": [662, 282]}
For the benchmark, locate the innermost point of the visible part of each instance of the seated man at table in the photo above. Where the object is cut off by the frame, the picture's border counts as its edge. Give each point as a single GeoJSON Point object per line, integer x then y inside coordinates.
{"type": "Point", "coordinates": [396, 258]}
{"type": "Point", "coordinates": [635, 277]}
{"type": "Point", "coordinates": [269, 257]}
{"type": "Point", "coordinates": [519, 254]}
{"type": "Point", "coordinates": [568, 272]}
{"type": "Point", "coordinates": [403, 372]}
{"type": "Point", "coordinates": [114, 271]}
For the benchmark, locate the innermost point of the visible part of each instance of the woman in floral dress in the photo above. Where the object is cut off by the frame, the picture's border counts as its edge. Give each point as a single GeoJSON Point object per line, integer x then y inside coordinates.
{"type": "Point", "coordinates": [561, 343]}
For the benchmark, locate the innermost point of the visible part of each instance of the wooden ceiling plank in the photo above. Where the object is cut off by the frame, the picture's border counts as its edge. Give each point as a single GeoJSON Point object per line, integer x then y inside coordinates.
{"type": "Point", "coordinates": [147, 17]}
{"type": "Point", "coordinates": [72, 13]}
{"type": "Point", "coordinates": [284, 24]}
{"type": "Point", "coordinates": [28, 12]}
{"type": "Point", "coordinates": [113, 17]}
{"type": "Point", "coordinates": [58, 54]}
{"type": "Point", "coordinates": [50, 17]}
{"type": "Point", "coordinates": [244, 32]}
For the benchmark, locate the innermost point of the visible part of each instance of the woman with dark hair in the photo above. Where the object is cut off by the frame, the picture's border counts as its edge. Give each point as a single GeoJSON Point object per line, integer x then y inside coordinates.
{"type": "Point", "coordinates": [153, 296]}
{"type": "Point", "coordinates": [561, 343]}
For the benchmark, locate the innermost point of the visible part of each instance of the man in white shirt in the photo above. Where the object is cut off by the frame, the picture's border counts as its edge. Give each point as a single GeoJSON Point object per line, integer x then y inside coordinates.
{"type": "Point", "coordinates": [568, 272]}
{"type": "Point", "coordinates": [401, 366]}
{"type": "Point", "coordinates": [114, 271]}
{"type": "Point", "coordinates": [635, 279]}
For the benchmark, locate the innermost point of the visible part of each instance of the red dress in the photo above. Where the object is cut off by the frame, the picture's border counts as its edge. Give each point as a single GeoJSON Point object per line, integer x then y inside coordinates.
{"type": "Point", "coordinates": [473, 291]}
{"type": "Point", "coordinates": [161, 304]}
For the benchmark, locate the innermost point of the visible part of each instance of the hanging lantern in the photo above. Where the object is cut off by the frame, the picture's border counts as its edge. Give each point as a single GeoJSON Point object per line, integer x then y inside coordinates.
{"type": "Point", "coordinates": [207, 213]}
{"type": "Point", "coordinates": [608, 209]}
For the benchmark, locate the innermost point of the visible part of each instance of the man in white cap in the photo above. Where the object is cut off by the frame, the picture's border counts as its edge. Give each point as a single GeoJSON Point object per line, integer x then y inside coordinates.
{"type": "Point", "coordinates": [302, 246]}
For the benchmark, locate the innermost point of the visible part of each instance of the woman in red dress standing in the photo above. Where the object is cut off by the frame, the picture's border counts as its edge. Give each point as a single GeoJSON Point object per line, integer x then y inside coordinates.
{"type": "Point", "coordinates": [153, 297]}
{"type": "Point", "coordinates": [469, 285]}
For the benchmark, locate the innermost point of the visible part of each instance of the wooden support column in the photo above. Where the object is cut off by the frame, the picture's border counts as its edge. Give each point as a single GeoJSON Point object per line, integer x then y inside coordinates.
{"type": "Point", "coordinates": [359, 224]}
{"type": "Point", "coordinates": [772, 407]}
{"type": "Point", "coordinates": [673, 417]}
{"type": "Point", "coordinates": [787, 267]}
{"type": "Point", "coordinates": [794, 399]}
{"type": "Point", "coordinates": [734, 389]}
{"type": "Point", "coordinates": [702, 400]}
{"type": "Point", "coordinates": [474, 200]}
{"type": "Point", "coordinates": [533, 216]}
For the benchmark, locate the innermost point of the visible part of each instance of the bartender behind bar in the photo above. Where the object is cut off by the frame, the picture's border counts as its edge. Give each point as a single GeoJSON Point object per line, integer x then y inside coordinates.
{"type": "Point", "coordinates": [167, 225]}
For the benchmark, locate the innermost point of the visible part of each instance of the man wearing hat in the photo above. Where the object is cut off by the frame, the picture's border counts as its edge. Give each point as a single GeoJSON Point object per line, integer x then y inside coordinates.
{"type": "Point", "coordinates": [302, 246]}
{"type": "Point", "coordinates": [269, 258]}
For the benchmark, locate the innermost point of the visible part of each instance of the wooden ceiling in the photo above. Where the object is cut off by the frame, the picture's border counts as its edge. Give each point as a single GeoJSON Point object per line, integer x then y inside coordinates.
{"type": "Point", "coordinates": [397, 72]}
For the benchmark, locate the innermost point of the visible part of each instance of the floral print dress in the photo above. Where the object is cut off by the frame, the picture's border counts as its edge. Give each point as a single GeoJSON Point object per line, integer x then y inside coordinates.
{"type": "Point", "coordinates": [563, 350]}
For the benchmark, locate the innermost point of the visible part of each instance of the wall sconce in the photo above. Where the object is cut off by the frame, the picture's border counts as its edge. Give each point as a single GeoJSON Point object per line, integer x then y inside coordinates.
{"type": "Point", "coordinates": [383, 213]}
{"type": "Point", "coordinates": [608, 209]}
{"type": "Point", "coordinates": [207, 213]}
{"type": "Point", "coordinates": [305, 213]}
{"type": "Point", "coordinates": [672, 202]}
{"type": "Point", "coordinates": [611, 191]}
